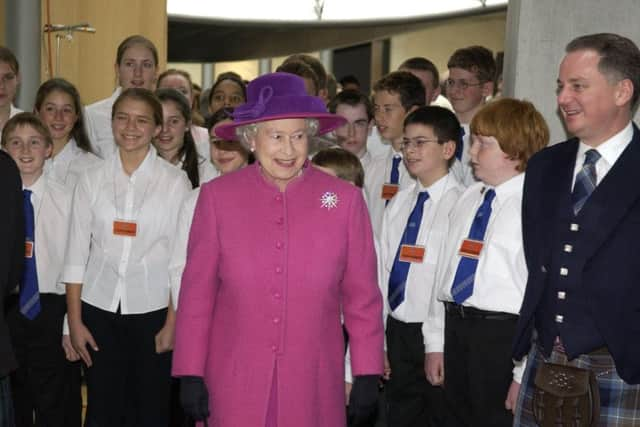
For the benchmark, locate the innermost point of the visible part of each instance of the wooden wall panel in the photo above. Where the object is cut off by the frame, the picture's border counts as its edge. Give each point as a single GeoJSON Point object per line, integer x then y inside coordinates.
{"type": "Point", "coordinates": [87, 60]}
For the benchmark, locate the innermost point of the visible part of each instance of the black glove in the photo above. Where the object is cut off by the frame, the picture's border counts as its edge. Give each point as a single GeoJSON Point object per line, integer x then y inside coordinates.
{"type": "Point", "coordinates": [363, 401]}
{"type": "Point", "coordinates": [194, 397]}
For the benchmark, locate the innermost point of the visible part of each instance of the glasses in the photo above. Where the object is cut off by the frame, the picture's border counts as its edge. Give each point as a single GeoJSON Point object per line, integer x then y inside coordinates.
{"type": "Point", "coordinates": [462, 84]}
{"type": "Point", "coordinates": [417, 143]}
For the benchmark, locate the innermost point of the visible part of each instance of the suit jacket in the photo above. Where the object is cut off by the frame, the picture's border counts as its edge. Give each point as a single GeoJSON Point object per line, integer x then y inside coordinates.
{"type": "Point", "coordinates": [604, 266]}
{"type": "Point", "coordinates": [11, 249]}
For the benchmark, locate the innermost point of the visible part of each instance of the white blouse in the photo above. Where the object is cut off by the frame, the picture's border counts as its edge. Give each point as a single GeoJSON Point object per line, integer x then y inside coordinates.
{"type": "Point", "coordinates": [67, 166]}
{"type": "Point", "coordinates": [117, 270]}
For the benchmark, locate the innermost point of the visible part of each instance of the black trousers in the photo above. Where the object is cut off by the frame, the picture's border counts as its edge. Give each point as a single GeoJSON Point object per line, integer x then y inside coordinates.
{"type": "Point", "coordinates": [411, 399]}
{"type": "Point", "coordinates": [478, 368]}
{"type": "Point", "coordinates": [43, 383]}
{"type": "Point", "coordinates": [128, 384]}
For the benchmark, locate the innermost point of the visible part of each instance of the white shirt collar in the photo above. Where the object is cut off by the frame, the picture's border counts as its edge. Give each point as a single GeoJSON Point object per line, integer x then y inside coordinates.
{"type": "Point", "coordinates": [38, 187]}
{"type": "Point", "coordinates": [609, 150]}
{"type": "Point", "coordinates": [509, 188]}
{"type": "Point", "coordinates": [437, 189]}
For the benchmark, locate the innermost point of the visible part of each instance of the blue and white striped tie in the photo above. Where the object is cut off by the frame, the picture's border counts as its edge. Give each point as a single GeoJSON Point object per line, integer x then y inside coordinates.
{"type": "Point", "coordinates": [586, 180]}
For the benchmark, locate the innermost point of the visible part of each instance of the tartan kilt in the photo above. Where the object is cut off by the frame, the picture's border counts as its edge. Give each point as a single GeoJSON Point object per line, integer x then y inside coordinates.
{"type": "Point", "coordinates": [6, 407]}
{"type": "Point", "coordinates": [619, 401]}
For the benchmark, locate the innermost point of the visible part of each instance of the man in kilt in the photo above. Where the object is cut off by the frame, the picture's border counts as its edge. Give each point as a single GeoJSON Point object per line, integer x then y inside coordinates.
{"type": "Point", "coordinates": [581, 229]}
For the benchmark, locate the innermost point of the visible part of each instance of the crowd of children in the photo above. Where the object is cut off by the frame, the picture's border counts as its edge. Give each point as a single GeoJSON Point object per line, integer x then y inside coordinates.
{"type": "Point", "coordinates": [442, 174]}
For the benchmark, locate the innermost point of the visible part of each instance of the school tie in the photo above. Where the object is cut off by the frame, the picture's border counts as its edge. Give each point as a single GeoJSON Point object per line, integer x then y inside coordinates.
{"type": "Point", "coordinates": [586, 180]}
{"type": "Point", "coordinates": [29, 295]}
{"type": "Point", "coordinates": [460, 144]}
{"type": "Point", "coordinates": [395, 172]}
{"type": "Point", "coordinates": [462, 287]}
{"type": "Point", "coordinates": [400, 269]}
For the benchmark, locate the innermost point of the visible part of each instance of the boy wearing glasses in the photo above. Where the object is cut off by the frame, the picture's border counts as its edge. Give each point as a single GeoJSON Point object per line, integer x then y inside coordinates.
{"type": "Point", "coordinates": [394, 96]}
{"type": "Point", "coordinates": [414, 228]}
{"type": "Point", "coordinates": [471, 78]}
{"type": "Point", "coordinates": [483, 274]}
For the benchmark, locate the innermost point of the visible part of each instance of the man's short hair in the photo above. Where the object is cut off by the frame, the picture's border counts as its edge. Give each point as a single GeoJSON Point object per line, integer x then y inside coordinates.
{"type": "Point", "coordinates": [475, 59]}
{"type": "Point", "coordinates": [352, 98]}
{"type": "Point", "coordinates": [619, 58]}
{"type": "Point", "coordinates": [519, 128]}
{"type": "Point", "coordinates": [422, 64]}
{"type": "Point", "coordinates": [406, 85]}
{"type": "Point", "coordinates": [301, 69]}
{"type": "Point", "coordinates": [315, 65]}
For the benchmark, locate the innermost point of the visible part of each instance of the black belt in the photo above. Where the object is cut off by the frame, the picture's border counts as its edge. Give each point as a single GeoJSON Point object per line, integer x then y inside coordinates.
{"type": "Point", "coordinates": [463, 312]}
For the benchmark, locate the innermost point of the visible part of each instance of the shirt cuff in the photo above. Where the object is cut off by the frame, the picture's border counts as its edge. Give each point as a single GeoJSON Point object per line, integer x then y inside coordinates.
{"type": "Point", "coordinates": [73, 274]}
{"type": "Point", "coordinates": [518, 369]}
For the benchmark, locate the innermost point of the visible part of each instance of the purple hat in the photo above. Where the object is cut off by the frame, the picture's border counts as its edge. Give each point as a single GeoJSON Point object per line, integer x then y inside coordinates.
{"type": "Point", "coordinates": [278, 96]}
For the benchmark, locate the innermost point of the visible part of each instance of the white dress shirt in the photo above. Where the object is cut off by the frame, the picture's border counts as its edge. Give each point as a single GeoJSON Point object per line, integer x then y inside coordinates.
{"type": "Point", "coordinates": [378, 174]}
{"type": "Point", "coordinates": [179, 252]}
{"type": "Point", "coordinates": [375, 144]}
{"type": "Point", "coordinates": [443, 102]}
{"type": "Point", "coordinates": [421, 278]}
{"type": "Point", "coordinates": [67, 166]}
{"type": "Point", "coordinates": [51, 207]}
{"type": "Point", "coordinates": [201, 138]}
{"type": "Point", "coordinates": [501, 274]}
{"type": "Point", "coordinates": [98, 120]}
{"type": "Point", "coordinates": [206, 170]}
{"type": "Point", "coordinates": [462, 169]}
{"type": "Point", "coordinates": [130, 272]}
{"type": "Point", "coordinates": [609, 151]}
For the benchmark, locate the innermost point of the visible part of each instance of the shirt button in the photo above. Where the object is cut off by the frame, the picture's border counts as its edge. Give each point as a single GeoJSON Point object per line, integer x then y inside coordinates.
{"type": "Point", "coordinates": [574, 227]}
{"type": "Point", "coordinates": [562, 295]}
{"type": "Point", "coordinates": [559, 318]}
{"type": "Point", "coordinates": [276, 320]}
{"type": "Point", "coordinates": [279, 245]}
{"type": "Point", "coordinates": [564, 271]}
{"type": "Point", "coordinates": [568, 248]}
{"type": "Point", "coordinates": [278, 270]}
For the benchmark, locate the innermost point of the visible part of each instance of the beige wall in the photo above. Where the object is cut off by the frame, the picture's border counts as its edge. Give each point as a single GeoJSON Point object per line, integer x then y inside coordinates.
{"type": "Point", "coordinates": [88, 60]}
{"type": "Point", "coordinates": [2, 27]}
{"type": "Point", "coordinates": [438, 41]}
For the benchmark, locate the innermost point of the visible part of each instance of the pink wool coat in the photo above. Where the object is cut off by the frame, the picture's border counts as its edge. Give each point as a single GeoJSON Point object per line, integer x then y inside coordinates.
{"type": "Point", "coordinates": [267, 276]}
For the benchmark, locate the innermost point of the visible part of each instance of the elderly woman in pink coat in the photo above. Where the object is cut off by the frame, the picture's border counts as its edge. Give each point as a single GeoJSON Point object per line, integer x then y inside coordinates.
{"type": "Point", "coordinates": [277, 252]}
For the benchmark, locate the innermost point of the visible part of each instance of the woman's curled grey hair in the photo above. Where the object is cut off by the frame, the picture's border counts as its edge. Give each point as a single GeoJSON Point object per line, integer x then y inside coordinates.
{"type": "Point", "coordinates": [246, 133]}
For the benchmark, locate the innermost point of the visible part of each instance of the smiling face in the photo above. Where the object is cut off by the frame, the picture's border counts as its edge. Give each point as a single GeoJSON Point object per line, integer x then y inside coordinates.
{"type": "Point", "coordinates": [9, 81]}
{"type": "Point", "coordinates": [352, 136]}
{"type": "Point", "coordinates": [592, 107]}
{"type": "Point", "coordinates": [29, 149]}
{"type": "Point", "coordinates": [171, 138]}
{"type": "Point", "coordinates": [425, 157]}
{"type": "Point", "coordinates": [58, 113]}
{"type": "Point", "coordinates": [281, 148]}
{"type": "Point", "coordinates": [137, 68]}
{"type": "Point", "coordinates": [490, 164]}
{"type": "Point", "coordinates": [133, 126]}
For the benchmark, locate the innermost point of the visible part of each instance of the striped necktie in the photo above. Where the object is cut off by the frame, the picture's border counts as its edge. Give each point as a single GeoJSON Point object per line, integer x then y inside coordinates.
{"type": "Point", "coordinates": [586, 181]}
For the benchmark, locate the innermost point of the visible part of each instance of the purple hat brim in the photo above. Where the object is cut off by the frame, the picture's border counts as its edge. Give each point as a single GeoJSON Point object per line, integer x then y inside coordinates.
{"type": "Point", "coordinates": [327, 123]}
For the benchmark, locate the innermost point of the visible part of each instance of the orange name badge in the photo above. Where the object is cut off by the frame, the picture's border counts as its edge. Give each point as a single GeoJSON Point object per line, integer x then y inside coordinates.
{"type": "Point", "coordinates": [389, 190]}
{"type": "Point", "coordinates": [411, 253]}
{"type": "Point", "coordinates": [28, 249]}
{"type": "Point", "coordinates": [125, 228]}
{"type": "Point", "coordinates": [471, 248]}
